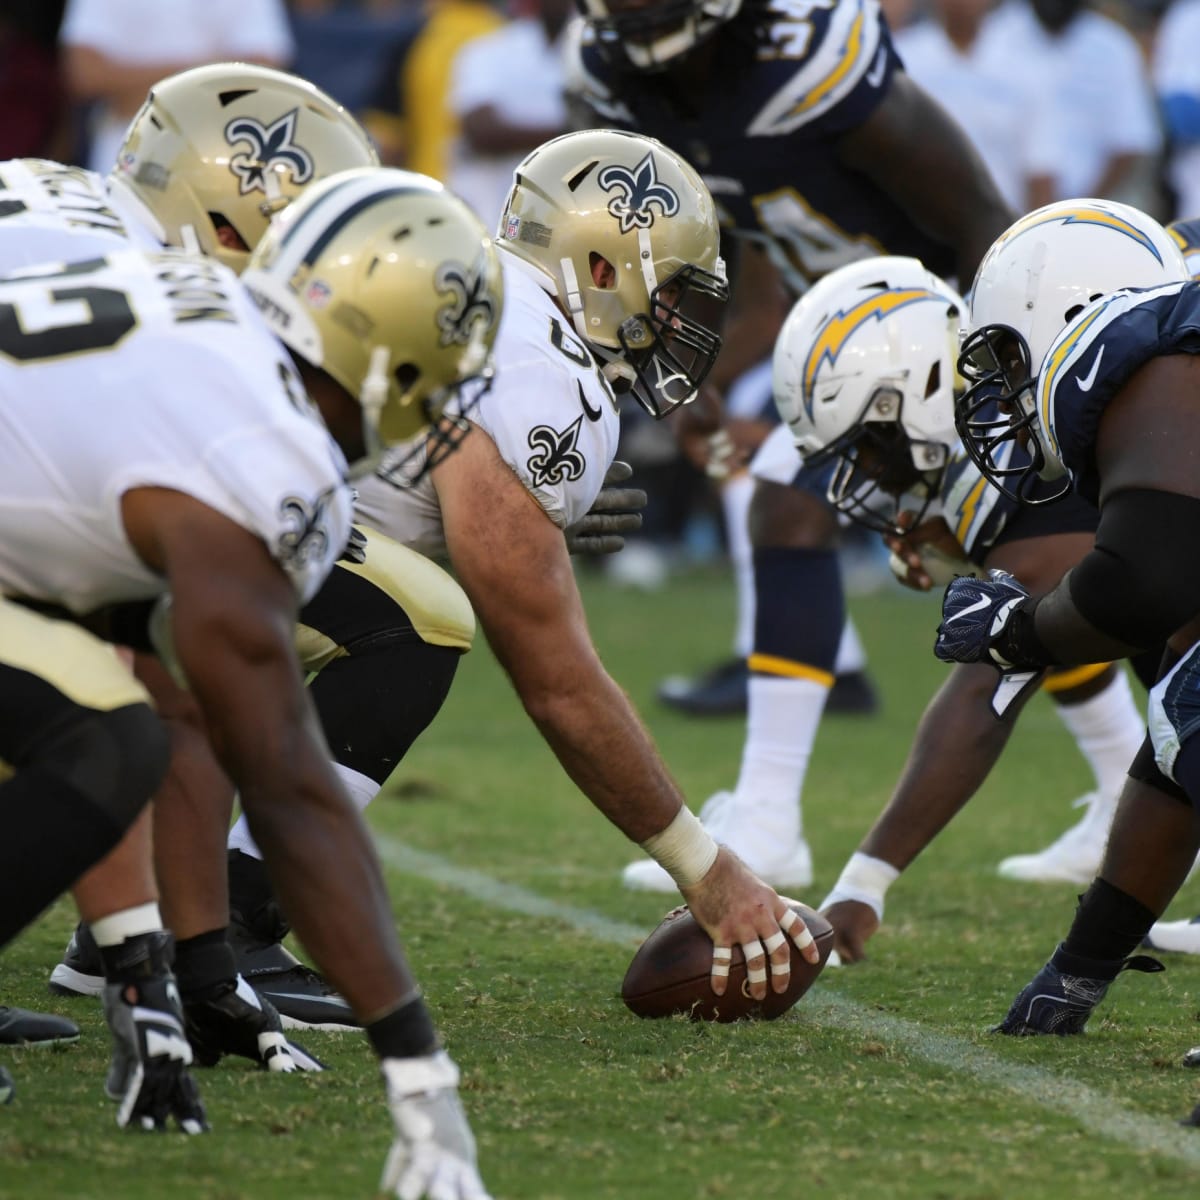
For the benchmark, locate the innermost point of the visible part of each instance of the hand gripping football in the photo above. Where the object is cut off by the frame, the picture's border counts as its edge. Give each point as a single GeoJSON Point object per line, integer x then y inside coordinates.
{"type": "Point", "coordinates": [670, 973]}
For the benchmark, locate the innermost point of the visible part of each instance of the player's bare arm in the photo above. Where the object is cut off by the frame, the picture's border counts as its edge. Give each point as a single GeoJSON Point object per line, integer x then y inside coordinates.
{"type": "Point", "coordinates": [913, 149]}
{"type": "Point", "coordinates": [512, 562]}
{"type": "Point", "coordinates": [234, 614]}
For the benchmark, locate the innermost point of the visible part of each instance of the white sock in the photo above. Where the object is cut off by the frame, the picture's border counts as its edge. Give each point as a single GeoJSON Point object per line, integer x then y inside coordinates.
{"type": "Point", "coordinates": [1108, 730]}
{"type": "Point", "coordinates": [851, 656]}
{"type": "Point", "coordinates": [781, 727]}
{"type": "Point", "coordinates": [362, 788]}
{"type": "Point", "coordinates": [735, 499]}
{"type": "Point", "coordinates": [129, 922]}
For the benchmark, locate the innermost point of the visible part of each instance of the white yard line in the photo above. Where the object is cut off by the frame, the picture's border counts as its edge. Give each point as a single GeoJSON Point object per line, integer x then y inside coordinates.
{"type": "Point", "coordinates": [1097, 1113]}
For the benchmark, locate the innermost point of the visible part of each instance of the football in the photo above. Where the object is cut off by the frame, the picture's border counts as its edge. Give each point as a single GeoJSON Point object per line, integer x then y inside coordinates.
{"type": "Point", "coordinates": [670, 973]}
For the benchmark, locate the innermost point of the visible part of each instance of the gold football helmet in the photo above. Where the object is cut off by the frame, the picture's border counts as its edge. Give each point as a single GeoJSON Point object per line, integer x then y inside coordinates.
{"type": "Point", "coordinates": [218, 149]}
{"type": "Point", "coordinates": [599, 197]}
{"type": "Point", "coordinates": [390, 285]}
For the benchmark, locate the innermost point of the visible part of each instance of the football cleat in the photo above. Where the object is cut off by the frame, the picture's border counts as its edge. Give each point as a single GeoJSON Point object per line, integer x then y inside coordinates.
{"type": "Point", "coordinates": [1178, 937]}
{"type": "Point", "coordinates": [80, 973]}
{"type": "Point", "coordinates": [1060, 1003]}
{"type": "Point", "coordinates": [1073, 857]}
{"type": "Point", "coordinates": [734, 826]}
{"type": "Point", "coordinates": [302, 997]}
{"type": "Point", "coordinates": [20, 1027]}
{"type": "Point", "coordinates": [720, 692]}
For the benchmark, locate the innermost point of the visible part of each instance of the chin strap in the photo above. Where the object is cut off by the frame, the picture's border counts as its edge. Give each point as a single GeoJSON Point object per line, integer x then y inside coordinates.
{"type": "Point", "coordinates": [372, 397]}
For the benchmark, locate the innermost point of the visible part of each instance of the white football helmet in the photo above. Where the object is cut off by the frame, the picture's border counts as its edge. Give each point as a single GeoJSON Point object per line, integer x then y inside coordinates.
{"type": "Point", "coordinates": [649, 36]}
{"type": "Point", "coordinates": [864, 374]}
{"type": "Point", "coordinates": [603, 196]}
{"type": "Point", "coordinates": [391, 285]}
{"type": "Point", "coordinates": [216, 150]}
{"type": "Point", "coordinates": [1038, 276]}
{"type": "Point", "coordinates": [1186, 235]}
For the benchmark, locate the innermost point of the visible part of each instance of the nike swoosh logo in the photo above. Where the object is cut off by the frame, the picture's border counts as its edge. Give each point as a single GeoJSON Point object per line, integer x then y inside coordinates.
{"type": "Point", "coordinates": [875, 74]}
{"type": "Point", "coordinates": [592, 414]}
{"type": "Point", "coordinates": [1085, 381]}
{"type": "Point", "coordinates": [982, 602]}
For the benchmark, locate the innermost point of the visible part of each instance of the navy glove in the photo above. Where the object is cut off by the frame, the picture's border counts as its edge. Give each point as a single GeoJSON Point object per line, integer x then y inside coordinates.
{"type": "Point", "coordinates": [976, 617]}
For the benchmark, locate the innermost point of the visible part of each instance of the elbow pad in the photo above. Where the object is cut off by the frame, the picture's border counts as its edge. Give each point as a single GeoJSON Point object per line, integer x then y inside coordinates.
{"type": "Point", "coordinates": [1141, 581]}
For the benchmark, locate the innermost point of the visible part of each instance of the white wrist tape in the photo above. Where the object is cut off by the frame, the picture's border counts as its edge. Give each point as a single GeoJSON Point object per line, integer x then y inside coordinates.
{"type": "Point", "coordinates": [685, 849]}
{"type": "Point", "coordinates": [864, 879]}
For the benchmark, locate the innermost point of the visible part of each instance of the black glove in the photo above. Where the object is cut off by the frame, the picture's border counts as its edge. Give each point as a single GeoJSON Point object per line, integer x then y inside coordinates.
{"type": "Point", "coordinates": [617, 511]}
{"type": "Point", "coordinates": [148, 1073]}
{"type": "Point", "coordinates": [235, 1019]}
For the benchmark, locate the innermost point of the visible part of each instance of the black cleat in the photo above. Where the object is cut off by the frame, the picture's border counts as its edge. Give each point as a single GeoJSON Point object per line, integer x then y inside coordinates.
{"type": "Point", "coordinates": [853, 694]}
{"type": "Point", "coordinates": [81, 971]}
{"type": "Point", "coordinates": [20, 1027]}
{"type": "Point", "coordinates": [721, 691]}
{"type": "Point", "coordinates": [236, 1020]}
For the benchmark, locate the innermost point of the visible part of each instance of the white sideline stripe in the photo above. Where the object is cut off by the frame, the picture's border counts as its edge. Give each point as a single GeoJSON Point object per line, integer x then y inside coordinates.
{"type": "Point", "coordinates": [1098, 1113]}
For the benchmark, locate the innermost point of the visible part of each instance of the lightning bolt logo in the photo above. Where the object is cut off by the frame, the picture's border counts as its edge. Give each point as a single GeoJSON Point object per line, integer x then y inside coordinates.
{"type": "Point", "coordinates": [836, 332]}
{"type": "Point", "coordinates": [1085, 216]}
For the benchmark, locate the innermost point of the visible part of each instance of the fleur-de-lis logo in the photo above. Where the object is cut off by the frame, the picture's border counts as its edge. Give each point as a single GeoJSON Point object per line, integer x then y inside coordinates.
{"type": "Point", "coordinates": [305, 539]}
{"type": "Point", "coordinates": [269, 146]}
{"type": "Point", "coordinates": [638, 191]}
{"type": "Point", "coordinates": [471, 306]}
{"type": "Point", "coordinates": [557, 460]}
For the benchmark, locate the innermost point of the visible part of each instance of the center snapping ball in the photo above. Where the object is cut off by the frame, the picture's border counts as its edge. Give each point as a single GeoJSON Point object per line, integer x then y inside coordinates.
{"type": "Point", "coordinates": [671, 971]}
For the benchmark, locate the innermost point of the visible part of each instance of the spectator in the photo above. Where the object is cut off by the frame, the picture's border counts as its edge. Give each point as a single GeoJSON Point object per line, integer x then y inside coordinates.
{"type": "Point", "coordinates": [409, 115]}
{"type": "Point", "coordinates": [507, 93]}
{"type": "Point", "coordinates": [31, 92]}
{"type": "Point", "coordinates": [114, 50]}
{"type": "Point", "coordinates": [1177, 78]}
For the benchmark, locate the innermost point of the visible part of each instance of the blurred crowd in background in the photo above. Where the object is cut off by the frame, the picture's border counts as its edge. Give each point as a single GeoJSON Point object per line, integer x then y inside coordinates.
{"type": "Point", "coordinates": [1062, 99]}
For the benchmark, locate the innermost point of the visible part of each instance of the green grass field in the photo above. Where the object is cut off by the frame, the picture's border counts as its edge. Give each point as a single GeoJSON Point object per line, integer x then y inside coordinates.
{"type": "Point", "coordinates": [882, 1083]}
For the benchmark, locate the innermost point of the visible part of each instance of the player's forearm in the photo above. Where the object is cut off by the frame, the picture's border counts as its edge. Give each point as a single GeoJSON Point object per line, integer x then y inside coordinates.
{"type": "Point", "coordinates": [596, 735]}
{"type": "Point", "coordinates": [958, 742]}
{"type": "Point", "coordinates": [93, 75]}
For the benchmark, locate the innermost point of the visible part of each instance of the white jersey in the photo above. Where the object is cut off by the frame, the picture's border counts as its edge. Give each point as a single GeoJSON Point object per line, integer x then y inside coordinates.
{"type": "Point", "coordinates": [151, 371]}
{"type": "Point", "coordinates": [550, 412]}
{"type": "Point", "coordinates": [54, 213]}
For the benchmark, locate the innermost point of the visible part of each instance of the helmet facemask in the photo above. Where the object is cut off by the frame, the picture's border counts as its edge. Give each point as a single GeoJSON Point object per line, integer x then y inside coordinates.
{"type": "Point", "coordinates": [997, 413]}
{"type": "Point", "coordinates": [652, 37]}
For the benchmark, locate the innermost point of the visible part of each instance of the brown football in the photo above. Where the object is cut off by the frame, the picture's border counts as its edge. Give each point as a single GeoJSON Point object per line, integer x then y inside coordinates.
{"type": "Point", "coordinates": [670, 973]}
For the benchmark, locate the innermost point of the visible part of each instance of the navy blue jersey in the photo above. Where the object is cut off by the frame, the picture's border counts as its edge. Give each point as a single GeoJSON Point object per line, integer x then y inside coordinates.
{"type": "Point", "coordinates": [765, 132]}
{"type": "Point", "coordinates": [1090, 361]}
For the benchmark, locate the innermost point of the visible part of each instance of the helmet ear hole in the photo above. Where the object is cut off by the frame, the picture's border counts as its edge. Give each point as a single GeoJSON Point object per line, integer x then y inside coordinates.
{"type": "Point", "coordinates": [934, 381]}
{"type": "Point", "coordinates": [406, 376]}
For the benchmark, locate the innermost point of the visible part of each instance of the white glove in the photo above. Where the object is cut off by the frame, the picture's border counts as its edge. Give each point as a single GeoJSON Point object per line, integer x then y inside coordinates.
{"type": "Point", "coordinates": [433, 1155]}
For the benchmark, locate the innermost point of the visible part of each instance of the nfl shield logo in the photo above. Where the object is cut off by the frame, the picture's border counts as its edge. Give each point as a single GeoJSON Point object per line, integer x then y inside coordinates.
{"type": "Point", "coordinates": [317, 293]}
{"type": "Point", "coordinates": [511, 229]}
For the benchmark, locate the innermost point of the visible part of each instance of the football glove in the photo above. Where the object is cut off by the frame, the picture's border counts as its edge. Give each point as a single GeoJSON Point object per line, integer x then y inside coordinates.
{"type": "Point", "coordinates": [433, 1154]}
{"type": "Point", "coordinates": [148, 1073]}
{"type": "Point", "coordinates": [616, 512]}
{"type": "Point", "coordinates": [237, 1020]}
{"type": "Point", "coordinates": [356, 548]}
{"type": "Point", "coordinates": [976, 615]}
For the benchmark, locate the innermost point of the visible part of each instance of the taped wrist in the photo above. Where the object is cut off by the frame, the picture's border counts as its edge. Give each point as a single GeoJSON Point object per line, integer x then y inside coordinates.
{"type": "Point", "coordinates": [406, 1032]}
{"type": "Point", "coordinates": [864, 879]}
{"type": "Point", "coordinates": [685, 849]}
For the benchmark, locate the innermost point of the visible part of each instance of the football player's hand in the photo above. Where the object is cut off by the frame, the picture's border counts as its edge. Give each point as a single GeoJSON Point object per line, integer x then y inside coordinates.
{"type": "Point", "coordinates": [616, 512]}
{"type": "Point", "coordinates": [975, 617]}
{"type": "Point", "coordinates": [433, 1154]}
{"type": "Point", "coordinates": [735, 907]}
{"type": "Point", "coordinates": [148, 1073]}
{"type": "Point", "coordinates": [854, 924]}
{"type": "Point", "coordinates": [926, 554]}
{"type": "Point", "coordinates": [696, 424]}
{"type": "Point", "coordinates": [356, 547]}
{"type": "Point", "coordinates": [237, 1020]}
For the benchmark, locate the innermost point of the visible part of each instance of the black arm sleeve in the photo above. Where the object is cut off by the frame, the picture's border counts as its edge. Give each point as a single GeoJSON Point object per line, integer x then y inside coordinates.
{"type": "Point", "coordinates": [1141, 582]}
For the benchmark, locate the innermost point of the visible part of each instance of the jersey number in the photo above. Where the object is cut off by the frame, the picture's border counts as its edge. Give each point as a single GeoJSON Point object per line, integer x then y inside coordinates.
{"type": "Point", "coordinates": [62, 321]}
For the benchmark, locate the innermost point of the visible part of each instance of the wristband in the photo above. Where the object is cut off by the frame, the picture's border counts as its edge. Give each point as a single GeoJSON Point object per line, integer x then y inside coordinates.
{"type": "Point", "coordinates": [685, 849]}
{"type": "Point", "coordinates": [864, 879]}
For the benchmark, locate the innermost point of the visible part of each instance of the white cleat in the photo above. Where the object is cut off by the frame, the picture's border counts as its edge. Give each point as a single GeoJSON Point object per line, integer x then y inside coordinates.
{"type": "Point", "coordinates": [791, 869]}
{"type": "Point", "coordinates": [1075, 856]}
{"type": "Point", "coordinates": [1181, 937]}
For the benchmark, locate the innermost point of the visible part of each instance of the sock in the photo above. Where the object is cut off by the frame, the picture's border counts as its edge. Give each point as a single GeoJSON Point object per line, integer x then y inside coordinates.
{"type": "Point", "coordinates": [1108, 729]}
{"type": "Point", "coordinates": [362, 788]}
{"type": "Point", "coordinates": [781, 726]}
{"type": "Point", "coordinates": [1109, 925]}
{"type": "Point", "coordinates": [735, 499]}
{"type": "Point", "coordinates": [800, 613]}
{"type": "Point", "coordinates": [129, 922]}
{"type": "Point", "coordinates": [406, 1032]}
{"type": "Point", "coordinates": [851, 657]}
